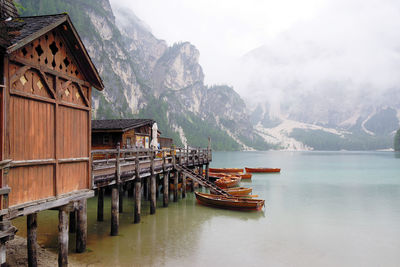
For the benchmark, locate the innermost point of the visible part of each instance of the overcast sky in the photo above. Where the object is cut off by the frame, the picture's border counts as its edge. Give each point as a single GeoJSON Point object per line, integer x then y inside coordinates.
{"type": "Point", "coordinates": [304, 44]}
{"type": "Point", "coordinates": [222, 30]}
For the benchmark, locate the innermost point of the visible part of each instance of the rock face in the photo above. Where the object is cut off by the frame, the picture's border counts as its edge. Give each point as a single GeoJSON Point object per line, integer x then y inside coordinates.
{"type": "Point", "coordinates": [144, 77]}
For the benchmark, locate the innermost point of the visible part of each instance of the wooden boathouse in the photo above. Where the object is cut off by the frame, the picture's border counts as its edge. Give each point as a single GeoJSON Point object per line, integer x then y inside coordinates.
{"type": "Point", "coordinates": [46, 79]}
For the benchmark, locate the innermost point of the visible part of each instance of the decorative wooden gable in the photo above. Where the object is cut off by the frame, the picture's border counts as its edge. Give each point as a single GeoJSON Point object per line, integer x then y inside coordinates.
{"type": "Point", "coordinates": [51, 51]}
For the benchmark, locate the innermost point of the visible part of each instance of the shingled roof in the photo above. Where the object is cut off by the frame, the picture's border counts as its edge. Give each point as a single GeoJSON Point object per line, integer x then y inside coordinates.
{"type": "Point", "coordinates": [120, 125]}
{"type": "Point", "coordinates": [23, 30]}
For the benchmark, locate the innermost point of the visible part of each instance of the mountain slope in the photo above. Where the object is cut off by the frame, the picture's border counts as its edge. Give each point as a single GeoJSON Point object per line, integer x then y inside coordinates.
{"type": "Point", "coordinates": [144, 77]}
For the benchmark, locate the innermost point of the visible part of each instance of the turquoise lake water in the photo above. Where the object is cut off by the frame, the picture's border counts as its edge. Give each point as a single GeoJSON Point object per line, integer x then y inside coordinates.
{"type": "Point", "coordinates": [323, 209]}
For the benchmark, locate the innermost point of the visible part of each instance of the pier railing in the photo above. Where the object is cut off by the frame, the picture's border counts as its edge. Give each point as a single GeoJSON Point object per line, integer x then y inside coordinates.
{"type": "Point", "coordinates": [113, 166]}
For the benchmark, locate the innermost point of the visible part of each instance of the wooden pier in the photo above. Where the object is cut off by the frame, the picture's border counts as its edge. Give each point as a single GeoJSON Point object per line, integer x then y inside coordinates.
{"type": "Point", "coordinates": [143, 172]}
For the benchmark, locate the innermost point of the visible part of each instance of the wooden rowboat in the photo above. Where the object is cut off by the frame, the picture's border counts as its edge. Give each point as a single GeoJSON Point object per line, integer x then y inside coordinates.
{"type": "Point", "coordinates": [229, 202]}
{"type": "Point", "coordinates": [238, 191]}
{"type": "Point", "coordinates": [227, 182]}
{"type": "Point", "coordinates": [245, 175]}
{"type": "Point", "coordinates": [225, 170]}
{"type": "Point", "coordinates": [253, 170]}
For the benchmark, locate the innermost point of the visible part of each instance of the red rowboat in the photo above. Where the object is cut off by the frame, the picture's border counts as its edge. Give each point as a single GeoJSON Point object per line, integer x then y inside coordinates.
{"type": "Point", "coordinates": [255, 170]}
{"type": "Point", "coordinates": [229, 202]}
{"type": "Point", "coordinates": [238, 191]}
{"type": "Point", "coordinates": [225, 170]}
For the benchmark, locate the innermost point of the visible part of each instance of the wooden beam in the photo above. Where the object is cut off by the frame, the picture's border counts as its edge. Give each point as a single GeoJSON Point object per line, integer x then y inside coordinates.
{"type": "Point", "coordinates": [31, 232]}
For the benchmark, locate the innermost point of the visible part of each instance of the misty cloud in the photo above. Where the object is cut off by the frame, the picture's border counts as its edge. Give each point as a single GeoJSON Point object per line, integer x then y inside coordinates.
{"type": "Point", "coordinates": [347, 54]}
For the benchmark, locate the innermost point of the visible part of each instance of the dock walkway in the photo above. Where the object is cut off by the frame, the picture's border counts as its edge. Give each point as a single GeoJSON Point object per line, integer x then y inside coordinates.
{"type": "Point", "coordinates": [146, 172]}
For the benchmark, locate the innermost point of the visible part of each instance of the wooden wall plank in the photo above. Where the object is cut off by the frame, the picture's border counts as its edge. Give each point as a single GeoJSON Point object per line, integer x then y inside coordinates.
{"type": "Point", "coordinates": [38, 179]}
{"type": "Point", "coordinates": [73, 176]}
{"type": "Point", "coordinates": [30, 128]}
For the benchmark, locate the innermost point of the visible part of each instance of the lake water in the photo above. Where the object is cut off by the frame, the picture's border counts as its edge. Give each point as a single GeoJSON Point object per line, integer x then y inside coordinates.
{"type": "Point", "coordinates": [323, 209]}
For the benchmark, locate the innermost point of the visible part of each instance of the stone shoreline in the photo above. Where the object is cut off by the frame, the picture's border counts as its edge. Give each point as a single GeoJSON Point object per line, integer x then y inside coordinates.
{"type": "Point", "coordinates": [17, 255]}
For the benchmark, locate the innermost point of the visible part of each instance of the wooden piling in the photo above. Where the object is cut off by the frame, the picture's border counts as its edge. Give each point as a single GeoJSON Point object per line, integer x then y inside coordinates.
{"type": "Point", "coordinates": [114, 210]}
{"type": "Point", "coordinates": [152, 194]}
{"type": "Point", "coordinates": [183, 177]}
{"type": "Point", "coordinates": [63, 226]}
{"type": "Point", "coordinates": [81, 230]}
{"type": "Point", "coordinates": [166, 189]}
{"type": "Point", "coordinates": [208, 171]}
{"type": "Point", "coordinates": [138, 196]}
{"type": "Point", "coordinates": [100, 204]}
{"type": "Point", "coordinates": [31, 225]}
{"type": "Point", "coordinates": [152, 187]}
{"type": "Point", "coordinates": [121, 198]}
{"type": "Point", "coordinates": [176, 186]}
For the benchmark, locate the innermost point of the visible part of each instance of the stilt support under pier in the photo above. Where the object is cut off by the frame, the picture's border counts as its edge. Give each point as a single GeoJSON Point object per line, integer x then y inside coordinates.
{"type": "Point", "coordinates": [114, 210]}
{"type": "Point", "coordinates": [63, 226]}
{"type": "Point", "coordinates": [121, 198]}
{"type": "Point", "coordinates": [31, 225]}
{"type": "Point", "coordinates": [138, 196]}
{"type": "Point", "coordinates": [81, 230]}
{"type": "Point", "coordinates": [166, 189]}
{"type": "Point", "coordinates": [153, 194]}
{"type": "Point", "coordinates": [183, 177]}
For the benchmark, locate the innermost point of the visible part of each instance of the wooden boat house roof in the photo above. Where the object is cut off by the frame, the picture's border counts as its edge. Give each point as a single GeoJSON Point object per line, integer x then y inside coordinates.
{"type": "Point", "coordinates": [121, 125]}
{"type": "Point", "coordinates": [23, 30]}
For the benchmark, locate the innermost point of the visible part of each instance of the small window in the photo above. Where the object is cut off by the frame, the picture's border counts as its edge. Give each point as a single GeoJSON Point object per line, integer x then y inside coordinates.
{"type": "Point", "coordinates": [128, 142]}
{"type": "Point", "coordinates": [106, 139]}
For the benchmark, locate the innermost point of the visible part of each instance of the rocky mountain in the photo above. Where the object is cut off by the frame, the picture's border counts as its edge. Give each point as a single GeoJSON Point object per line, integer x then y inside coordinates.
{"type": "Point", "coordinates": [311, 109]}
{"type": "Point", "coordinates": [144, 77]}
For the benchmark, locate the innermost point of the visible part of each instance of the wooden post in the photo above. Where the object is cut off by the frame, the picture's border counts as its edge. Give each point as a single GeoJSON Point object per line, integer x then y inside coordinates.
{"type": "Point", "coordinates": [31, 225]}
{"type": "Point", "coordinates": [72, 222]}
{"type": "Point", "coordinates": [208, 171]}
{"type": "Point", "coordinates": [81, 230]}
{"type": "Point", "coordinates": [3, 254]}
{"type": "Point", "coordinates": [152, 186]}
{"type": "Point", "coordinates": [114, 210]}
{"type": "Point", "coordinates": [100, 204]}
{"type": "Point", "coordinates": [63, 237]}
{"type": "Point", "coordinates": [183, 177]}
{"type": "Point", "coordinates": [176, 176]}
{"type": "Point", "coordinates": [138, 196]}
{"type": "Point", "coordinates": [118, 177]}
{"type": "Point", "coordinates": [201, 172]}
{"type": "Point", "coordinates": [121, 198]}
{"type": "Point", "coordinates": [165, 189]}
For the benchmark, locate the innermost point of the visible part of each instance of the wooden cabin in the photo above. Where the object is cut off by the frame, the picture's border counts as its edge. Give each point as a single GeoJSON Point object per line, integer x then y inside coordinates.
{"type": "Point", "coordinates": [129, 133]}
{"type": "Point", "coordinates": [46, 78]}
